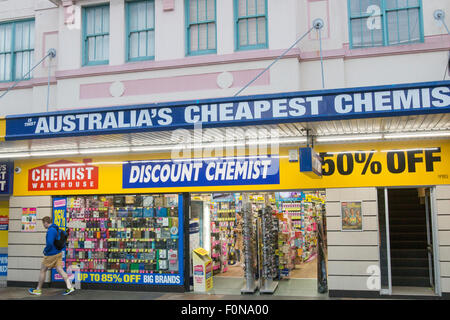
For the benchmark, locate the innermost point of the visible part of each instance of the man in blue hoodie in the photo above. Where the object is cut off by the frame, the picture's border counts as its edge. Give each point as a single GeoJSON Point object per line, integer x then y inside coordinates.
{"type": "Point", "coordinates": [52, 259]}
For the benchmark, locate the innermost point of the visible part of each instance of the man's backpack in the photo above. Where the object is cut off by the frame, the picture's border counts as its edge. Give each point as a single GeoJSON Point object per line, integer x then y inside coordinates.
{"type": "Point", "coordinates": [61, 242]}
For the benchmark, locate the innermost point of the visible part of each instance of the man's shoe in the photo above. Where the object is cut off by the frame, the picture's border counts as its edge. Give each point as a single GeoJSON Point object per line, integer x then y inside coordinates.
{"type": "Point", "coordinates": [35, 292]}
{"type": "Point", "coordinates": [68, 291]}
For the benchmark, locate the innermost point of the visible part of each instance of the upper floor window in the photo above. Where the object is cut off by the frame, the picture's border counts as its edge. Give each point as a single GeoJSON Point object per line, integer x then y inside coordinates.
{"type": "Point", "coordinates": [16, 50]}
{"type": "Point", "coordinates": [201, 26]}
{"type": "Point", "coordinates": [140, 30]}
{"type": "Point", "coordinates": [96, 35]}
{"type": "Point", "coordinates": [384, 22]}
{"type": "Point", "coordinates": [251, 24]}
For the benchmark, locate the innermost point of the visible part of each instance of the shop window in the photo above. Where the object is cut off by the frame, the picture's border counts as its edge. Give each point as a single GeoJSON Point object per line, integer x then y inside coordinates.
{"type": "Point", "coordinates": [96, 35]}
{"type": "Point", "coordinates": [140, 30]}
{"type": "Point", "coordinates": [123, 234]}
{"type": "Point", "coordinates": [251, 24]}
{"type": "Point", "coordinates": [376, 23]}
{"type": "Point", "coordinates": [16, 50]}
{"type": "Point", "coordinates": [201, 26]}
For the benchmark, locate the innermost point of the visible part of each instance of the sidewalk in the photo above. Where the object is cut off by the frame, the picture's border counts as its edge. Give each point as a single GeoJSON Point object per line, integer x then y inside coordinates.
{"type": "Point", "coordinates": [16, 293]}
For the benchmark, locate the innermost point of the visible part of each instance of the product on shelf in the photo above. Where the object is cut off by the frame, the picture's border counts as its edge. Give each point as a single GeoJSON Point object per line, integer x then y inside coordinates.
{"type": "Point", "coordinates": [223, 222]}
{"type": "Point", "coordinates": [297, 241]}
{"type": "Point", "coordinates": [131, 233]}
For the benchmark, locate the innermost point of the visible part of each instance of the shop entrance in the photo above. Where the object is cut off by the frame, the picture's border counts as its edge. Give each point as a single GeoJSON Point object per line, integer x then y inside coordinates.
{"type": "Point", "coordinates": [406, 228]}
{"type": "Point", "coordinates": [286, 242]}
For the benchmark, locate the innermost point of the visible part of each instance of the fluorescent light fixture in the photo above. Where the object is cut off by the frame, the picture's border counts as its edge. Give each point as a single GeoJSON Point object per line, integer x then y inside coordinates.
{"type": "Point", "coordinates": [349, 138]}
{"type": "Point", "coordinates": [406, 135]}
{"type": "Point", "coordinates": [279, 141]}
{"type": "Point", "coordinates": [414, 149]}
{"type": "Point", "coordinates": [355, 152]}
{"type": "Point", "coordinates": [53, 153]}
{"type": "Point", "coordinates": [225, 144]}
{"type": "Point", "coordinates": [292, 140]}
{"type": "Point", "coordinates": [14, 155]}
{"type": "Point", "coordinates": [154, 148]}
{"type": "Point", "coordinates": [220, 144]}
{"type": "Point", "coordinates": [105, 150]}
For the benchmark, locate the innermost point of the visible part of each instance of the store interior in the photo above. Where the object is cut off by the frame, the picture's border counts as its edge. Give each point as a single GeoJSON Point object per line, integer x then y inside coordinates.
{"type": "Point", "coordinates": [291, 224]}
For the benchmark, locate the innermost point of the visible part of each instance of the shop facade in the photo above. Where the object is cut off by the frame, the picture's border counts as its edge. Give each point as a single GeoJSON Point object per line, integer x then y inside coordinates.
{"type": "Point", "coordinates": [84, 139]}
{"type": "Point", "coordinates": [129, 213]}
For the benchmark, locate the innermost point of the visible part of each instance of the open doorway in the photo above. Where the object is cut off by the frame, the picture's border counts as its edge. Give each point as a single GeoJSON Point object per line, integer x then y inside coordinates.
{"type": "Point", "coordinates": [406, 246]}
{"type": "Point", "coordinates": [294, 239]}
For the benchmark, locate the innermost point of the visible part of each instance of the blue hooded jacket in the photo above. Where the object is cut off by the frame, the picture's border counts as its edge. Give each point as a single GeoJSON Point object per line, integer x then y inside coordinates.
{"type": "Point", "coordinates": [52, 234]}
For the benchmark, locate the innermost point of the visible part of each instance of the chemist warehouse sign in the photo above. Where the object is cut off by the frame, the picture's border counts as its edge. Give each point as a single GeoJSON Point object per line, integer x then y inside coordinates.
{"type": "Point", "coordinates": [382, 101]}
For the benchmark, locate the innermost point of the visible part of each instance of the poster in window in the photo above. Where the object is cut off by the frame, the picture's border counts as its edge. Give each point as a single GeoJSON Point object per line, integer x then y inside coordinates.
{"type": "Point", "coordinates": [28, 219]}
{"type": "Point", "coordinates": [351, 216]}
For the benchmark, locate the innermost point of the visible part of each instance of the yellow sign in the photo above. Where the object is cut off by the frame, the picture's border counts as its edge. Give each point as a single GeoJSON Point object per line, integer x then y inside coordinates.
{"type": "Point", "coordinates": [406, 163]}
{"type": "Point", "coordinates": [202, 268]}
{"type": "Point", "coordinates": [4, 222]}
{"type": "Point", "coordinates": [2, 129]}
{"type": "Point", "coordinates": [201, 251]}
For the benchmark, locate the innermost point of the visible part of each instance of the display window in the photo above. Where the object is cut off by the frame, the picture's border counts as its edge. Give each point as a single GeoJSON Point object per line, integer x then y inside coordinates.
{"type": "Point", "coordinates": [129, 239]}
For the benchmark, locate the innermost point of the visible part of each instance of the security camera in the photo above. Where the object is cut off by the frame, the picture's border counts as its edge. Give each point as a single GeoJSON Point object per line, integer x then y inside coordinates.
{"type": "Point", "coordinates": [17, 170]}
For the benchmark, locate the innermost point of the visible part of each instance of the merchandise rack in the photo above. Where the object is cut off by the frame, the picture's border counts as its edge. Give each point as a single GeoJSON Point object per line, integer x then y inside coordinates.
{"type": "Point", "coordinates": [223, 222]}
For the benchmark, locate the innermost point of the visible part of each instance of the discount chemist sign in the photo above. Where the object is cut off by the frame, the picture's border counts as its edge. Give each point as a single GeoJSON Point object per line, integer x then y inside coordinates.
{"type": "Point", "coordinates": [395, 100]}
{"type": "Point", "coordinates": [245, 170]}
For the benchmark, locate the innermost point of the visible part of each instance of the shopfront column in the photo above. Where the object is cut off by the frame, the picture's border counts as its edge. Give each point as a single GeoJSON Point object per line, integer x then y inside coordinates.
{"type": "Point", "coordinates": [353, 256]}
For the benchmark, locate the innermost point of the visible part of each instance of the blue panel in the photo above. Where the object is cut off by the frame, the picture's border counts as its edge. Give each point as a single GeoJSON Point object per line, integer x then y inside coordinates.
{"type": "Point", "coordinates": [310, 161]}
{"type": "Point", "coordinates": [305, 159]}
{"type": "Point", "coordinates": [3, 265]}
{"type": "Point", "coordinates": [6, 177]}
{"type": "Point", "coordinates": [180, 240]}
{"type": "Point", "coordinates": [337, 104]}
{"type": "Point", "coordinates": [247, 170]}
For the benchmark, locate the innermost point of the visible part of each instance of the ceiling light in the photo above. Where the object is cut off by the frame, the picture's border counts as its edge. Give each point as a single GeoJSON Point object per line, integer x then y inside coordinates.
{"type": "Point", "coordinates": [154, 148]}
{"type": "Point", "coordinates": [53, 153]}
{"type": "Point", "coordinates": [105, 150]}
{"type": "Point", "coordinates": [417, 135]}
{"type": "Point", "coordinates": [348, 138]}
{"type": "Point", "coordinates": [14, 155]}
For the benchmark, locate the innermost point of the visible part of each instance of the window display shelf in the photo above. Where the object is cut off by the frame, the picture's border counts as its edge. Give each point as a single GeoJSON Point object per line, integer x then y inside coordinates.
{"type": "Point", "coordinates": [114, 234]}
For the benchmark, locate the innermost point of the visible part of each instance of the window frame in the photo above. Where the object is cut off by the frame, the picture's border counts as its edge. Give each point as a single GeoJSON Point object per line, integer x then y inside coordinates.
{"type": "Point", "coordinates": [128, 32]}
{"type": "Point", "coordinates": [85, 36]}
{"type": "Point", "coordinates": [13, 51]}
{"type": "Point", "coordinates": [237, 18]}
{"type": "Point", "coordinates": [189, 52]}
{"type": "Point", "coordinates": [384, 24]}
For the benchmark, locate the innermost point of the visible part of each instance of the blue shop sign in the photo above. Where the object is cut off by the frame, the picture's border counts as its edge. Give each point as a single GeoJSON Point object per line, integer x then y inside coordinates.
{"type": "Point", "coordinates": [310, 162]}
{"type": "Point", "coordinates": [3, 265]}
{"type": "Point", "coordinates": [320, 105]}
{"type": "Point", "coordinates": [6, 177]}
{"type": "Point", "coordinates": [245, 170]}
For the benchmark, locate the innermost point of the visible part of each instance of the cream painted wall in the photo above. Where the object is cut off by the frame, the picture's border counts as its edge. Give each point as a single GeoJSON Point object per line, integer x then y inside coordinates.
{"type": "Point", "coordinates": [287, 20]}
{"type": "Point", "coordinates": [352, 255]}
{"type": "Point", "coordinates": [281, 77]}
{"type": "Point", "coordinates": [169, 32]}
{"type": "Point", "coordinates": [396, 69]}
{"type": "Point", "coordinates": [117, 32]}
{"type": "Point", "coordinates": [225, 34]}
